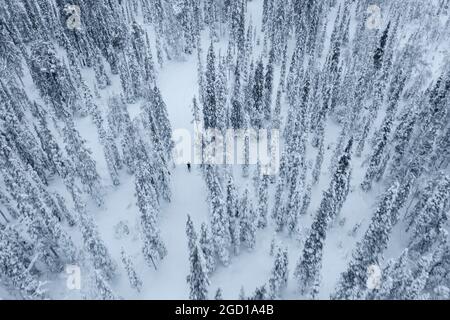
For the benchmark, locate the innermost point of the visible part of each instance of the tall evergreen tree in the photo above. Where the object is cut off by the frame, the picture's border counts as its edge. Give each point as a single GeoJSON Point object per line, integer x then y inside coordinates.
{"type": "Point", "coordinates": [308, 268]}
{"type": "Point", "coordinates": [257, 114]}
{"type": "Point", "coordinates": [198, 277]}
{"type": "Point", "coordinates": [279, 275]}
{"type": "Point", "coordinates": [153, 248]}
{"type": "Point", "coordinates": [207, 246]}
{"type": "Point", "coordinates": [210, 100]}
{"type": "Point", "coordinates": [220, 224]}
{"type": "Point", "coordinates": [353, 281]}
{"type": "Point", "coordinates": [430, 221]}
{"type": "Point", "coordinates": [234, 214]}
{"type": "Point", "coordinates": [248, 222]}
{"type": "Point", "coordinates": [135, 281]}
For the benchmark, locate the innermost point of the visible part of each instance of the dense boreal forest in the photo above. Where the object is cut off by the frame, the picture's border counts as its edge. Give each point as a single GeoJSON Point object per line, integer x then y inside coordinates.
{"type": "Point", "coordinates": [94, 205]}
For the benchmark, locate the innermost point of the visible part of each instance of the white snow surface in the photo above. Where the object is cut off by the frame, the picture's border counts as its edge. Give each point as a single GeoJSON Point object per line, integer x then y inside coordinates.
{"type": "Point", "coordinates": [178, 83]}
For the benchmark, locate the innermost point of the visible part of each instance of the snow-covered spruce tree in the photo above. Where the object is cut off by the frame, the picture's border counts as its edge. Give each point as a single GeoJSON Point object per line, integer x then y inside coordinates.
{"type": "Point", "coordinates": [422, 195]}
{"type": "Point", "coordinates": [198, 276]}
{"type": "Point", "coordinates": [441, 154]}
{"type": "Point", "coordinates": [438, 276]}
{"type": "Point", "coordinates": [155, 152]}
{"type": "Point", "coordinates": [295, 193]}
{"type": "Point", "coordinates": [240, 35]}
{"type": "Point", "coordinates": [11, 51]}
{"type": "Point", "coordinates": [343, 137]}
{"type": "Point", "coordinates": [257, 111]}
{"type": "Point", "coordinates": [162, 177]}
{"type": "Point", "coordinates": [279, 211]}
{"type": "Point", "coordinates": [352, 283]}
{"type": "Point", "coordinates": [125, 72]}
{"type": "Point", "coordinates": [279, 275]}
{"type": "Point", "coordinates": [58, 164]}
{"type": "Point", "coordinates": [142, 54]}
{"type": "Point", "coordinates": [115, 116]}
{"type": "Point", "coordinates": [431, 219]}
{"type": "Point", "coordinates": [308, 268]}
{"type": "Point", "coordinates": [340, 183]}
{"type": "Point", "coordinates": [248, 221]}
{"type": "Point", "coordinates": [200, 73]}
{"type": "Point", "coordinates": [260, 293]}
{"type": "Point", "coordinates": [306, 201]}
{"type": "Point", "coordinates": [149, 65]}
{"type": "Point", "coordinates": [381, 68]}
{"type": "Point", "coordinates": [319, 161]}
{"type": "Point", "coordinates": [292, 173]}
{"type": "Point", "coordinates": [234, 21]}
{"type": "Point", "coordinates": [420, 277]}
{"type": "Point", "coordinates": [248, 76]}
{"type": "Point", "coordinates": [268, 86]}
{"type": "Point", "coordinates": [162, 120]}
{"type": "Point", "coordinates": [282, 82]}
{"type": "Point", "coordinates": [433, 115]}
{"type": "Point", "coordinates": [137, 152]}
{"type": "Point", "coordinates": [153, 246]}
{"type": "Point", "coordinates": [234, 214]}
{"type": "Point", "coordinates": [379, 158]}
{"type": "Point", "coordinates": [159, 51]}
{"type": "Point", "coordinates": [341, 178]}
{"type": "Point", "coordinates": [16, 270]}
{"type": "Point", "coordinates": [210, 99]}
{"type": "Point", "coordinates": [191, 234]}
{"type": "Point", "coordinates": [249, 39]}
{"type": "Point", "coordinates": [100, 73]}
{"type": "Point", "coordinates": [246, 136]}
{"type": "Point", "coordinates": [207, 246]}
{"type": "Point", "coordinates": [267, 7]}
{"type": "Point", "coordinates": [84, 165]}
{"type": "Point", "coordinates": [55, 204]}
{"type": "Point", "coordinates": [101, 290]}
{"type": "Point", "coordinates": [319, 129]}
{"type": "Point", "coordinates": [133, 278]}
{"type": "Point", "coordinates": [150, 125]}
{"type": "Point", "coordinates": [132, 145]}
{"type": "Point", "coordinates": [37, 219]}
{"type": "Point", "coordinates": [263, 201]}
{"type": "Point", "coordinates": [219, 294]}
{"type": "Point", "coordinates": [278, 28]}
{"type": "Point", "coordinates": [400, 140]}
{"type": "Point", "coordinates": [188, 24]}
{"type": "Point", "coordinates": [18, 131]}
{"type": "Point", "coordinates": [8, 212]}
{"type": "Point", "coordinates": [237, 108]}
{"type": "Point", "coordinates": [221, 96]}
{"type": "Point", "coordinates": [220, 224]}
{"type": "Point", "coordinates": [276, 116]}
{"type": "Point", "coordinates": [111, 152]}
{"type": "Point", "coordinates": [396, 278]}
{"type": "Point", "coordinates": [93, 244]}
{"type": "Point", "coordinates": [379, 52]}
{"type": "Point", "coordinates": [53, 80]}
{"type": "Point", "coordinates": [212, 18]}
{"type": "Point", "coordinates": [332, 75]}
{"type": "Point", "coordinates": [195, 111]}
{"type": "Point", "coordinates": [293, 73]}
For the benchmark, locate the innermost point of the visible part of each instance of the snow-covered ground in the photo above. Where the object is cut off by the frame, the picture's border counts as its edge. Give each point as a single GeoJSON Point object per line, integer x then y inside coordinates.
{"type": "Point", "coordinates": [178, 82]}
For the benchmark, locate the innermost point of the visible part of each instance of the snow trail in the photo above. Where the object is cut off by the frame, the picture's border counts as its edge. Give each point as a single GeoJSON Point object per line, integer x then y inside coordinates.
{"type": "Point", "coordinates": [178, 82]}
